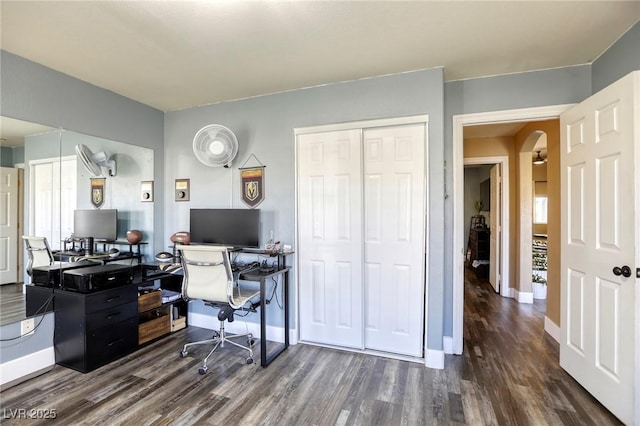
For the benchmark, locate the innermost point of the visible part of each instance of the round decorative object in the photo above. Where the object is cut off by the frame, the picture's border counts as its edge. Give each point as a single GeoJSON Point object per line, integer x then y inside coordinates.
{"type": "Point", "coordinates": [134, 236]}
{"type": "Point", "coordinates": [181, 237]}
{"type": "Point", "coordinates": [215, 145]}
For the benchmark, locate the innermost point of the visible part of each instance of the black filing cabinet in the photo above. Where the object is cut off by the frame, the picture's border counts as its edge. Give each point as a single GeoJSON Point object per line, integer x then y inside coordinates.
{"type": "Point", "coordinates": [93, 329]}
{"type": "Point", "coordinates": [39, 300]}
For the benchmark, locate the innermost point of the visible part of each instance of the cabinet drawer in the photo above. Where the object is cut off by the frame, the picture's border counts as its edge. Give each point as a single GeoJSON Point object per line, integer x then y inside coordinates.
{"type": "Point", "coordinates": [113, 297]}
{"type": "Point", "coordinates": [154, 328]}
{"type": "Point", "coordinates": [112, 315]}
{"type": "Point", "coordinates": [110, 343]}
{"type": "Point", "coordinates": [149, 301]}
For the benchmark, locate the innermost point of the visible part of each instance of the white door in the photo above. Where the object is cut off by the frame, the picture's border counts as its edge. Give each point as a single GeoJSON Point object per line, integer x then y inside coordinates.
{"type": "Point", "coordinates": [330, 238]}
{"type": "Point", "coordinates": [8, 225]}
{"type": "Point", "coordinates": [394, 238]}
{"type": "Point", "coordinates": [600, 216]}
{"type": "Point", "coordinates": [53, 198]}
{"type": "Point", "coordinates": [494, 228]}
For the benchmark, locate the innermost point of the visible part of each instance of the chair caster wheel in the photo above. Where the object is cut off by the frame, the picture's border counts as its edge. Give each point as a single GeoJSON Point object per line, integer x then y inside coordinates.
{"type": "Point", "coordinates": [183, 354]}
{"type": "Point", "coordinates": [249, 360]}
{"type": "Point", "coordinates": [202, 370]}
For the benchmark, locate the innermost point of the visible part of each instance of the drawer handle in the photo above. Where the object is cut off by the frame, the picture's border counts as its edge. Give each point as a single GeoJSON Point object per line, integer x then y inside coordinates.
{"type": "Point", "coordinates": [115, 342]}
{"type": "Point", "coordinates": [111, 299]}
{"type": "Point", "coordinates": [113, 315]}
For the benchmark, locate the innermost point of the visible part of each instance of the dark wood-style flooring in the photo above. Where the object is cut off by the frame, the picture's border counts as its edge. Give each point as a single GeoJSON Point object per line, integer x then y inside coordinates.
{"type": "Point", "coordinates": [508, 375]}
{"type": "Point", "coordinates": [12, 303]}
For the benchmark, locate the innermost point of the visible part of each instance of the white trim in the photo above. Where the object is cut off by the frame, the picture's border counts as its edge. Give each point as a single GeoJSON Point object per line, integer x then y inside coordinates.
{"type": "Point", "coordinates": [447, 344]}
{"type": "Point", "coordinates": [523, 296]}
{"type": "Point", "coordinates": [364, 124]}
{"type": "Point", "coordinates": [434, 359]}
{"type": "Point", "coordinates": [23, 368]}
{"type": "Point", "coordinates": [457, 253]}
{"type": "Point", "coordinates": [505, 284]}
{"type": "Point", "coordinates": [525, 213]}
{"type": "Point", "coordinates": [275, 334]}
{"type": "Point", "coordinates": [382, 354]}
{"type": "Point", "coordinates": [552, 329]}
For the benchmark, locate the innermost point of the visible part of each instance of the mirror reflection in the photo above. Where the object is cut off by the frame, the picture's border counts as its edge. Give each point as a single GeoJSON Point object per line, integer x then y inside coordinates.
{"type": "Point", "coordinates": [70, 180]}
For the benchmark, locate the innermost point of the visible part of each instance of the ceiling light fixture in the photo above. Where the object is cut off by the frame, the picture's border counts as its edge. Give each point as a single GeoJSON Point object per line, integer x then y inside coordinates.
{"type": "Point", "coordinates": [539, 159]}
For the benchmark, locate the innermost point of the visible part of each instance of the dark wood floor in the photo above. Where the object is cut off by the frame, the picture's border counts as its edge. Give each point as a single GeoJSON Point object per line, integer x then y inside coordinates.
{"type": "Point", "coordinates": [508, 375]}
{"type": "Point", "coordinates": [12, 303]}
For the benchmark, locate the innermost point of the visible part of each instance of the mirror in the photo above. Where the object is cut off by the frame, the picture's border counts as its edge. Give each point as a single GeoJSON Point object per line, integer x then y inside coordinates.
{"type": "Point", "coordinates": [56, 183]}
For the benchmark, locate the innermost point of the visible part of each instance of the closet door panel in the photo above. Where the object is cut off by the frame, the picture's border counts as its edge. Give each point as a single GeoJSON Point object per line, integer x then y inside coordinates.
{"type": "Point", "coordinates": [394, 205]}
{"type": "Point", "coordinates": [330, 238]}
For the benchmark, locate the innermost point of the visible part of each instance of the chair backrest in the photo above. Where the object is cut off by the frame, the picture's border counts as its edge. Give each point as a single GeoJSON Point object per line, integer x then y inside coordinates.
{"type": "Point", "coordinates": [207, 273]}
{"type": "Point", "coordinates": [38, 251]}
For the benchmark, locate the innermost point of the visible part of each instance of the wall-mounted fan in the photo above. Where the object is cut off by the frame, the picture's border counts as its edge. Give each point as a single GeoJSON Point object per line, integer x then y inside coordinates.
{"type": "Point", "coordinates": [94, 162]}
{"type": "Point", "coordinates": [215, 145]}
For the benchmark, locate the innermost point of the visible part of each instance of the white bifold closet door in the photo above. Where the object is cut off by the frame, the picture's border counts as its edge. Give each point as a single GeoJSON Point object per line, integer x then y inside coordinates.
{"type": "Point", "coordinates": [361, 238]}
{"type": "Point", "coordinates": [330, 238]}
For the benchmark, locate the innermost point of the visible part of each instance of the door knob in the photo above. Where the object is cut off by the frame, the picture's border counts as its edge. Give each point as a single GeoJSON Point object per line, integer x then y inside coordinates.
{"type": "Point", "coordinates": [625, 271]}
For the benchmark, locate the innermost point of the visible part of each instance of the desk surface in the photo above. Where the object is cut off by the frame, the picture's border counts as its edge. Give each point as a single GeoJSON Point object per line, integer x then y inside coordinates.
{"type": "Point", "coordinates": [262, 252]}
{"type": "Point", "coordinates": [256, 274]}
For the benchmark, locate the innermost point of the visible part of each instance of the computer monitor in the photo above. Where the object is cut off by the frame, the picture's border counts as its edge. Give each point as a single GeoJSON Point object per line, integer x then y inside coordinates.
{"type": "Point", "coordinates": [102, 225]}
{"type": "Point", "coordinates": [239, 228]}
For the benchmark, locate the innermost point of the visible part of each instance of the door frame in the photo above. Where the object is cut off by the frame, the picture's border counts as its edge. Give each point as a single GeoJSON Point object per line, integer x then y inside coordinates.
{"type": "Point", "coordinates": [362, 124]}
{"type": "Point", "coordinates": [458, 247]}
{"type": "Point", "coordinates": [504, 215]}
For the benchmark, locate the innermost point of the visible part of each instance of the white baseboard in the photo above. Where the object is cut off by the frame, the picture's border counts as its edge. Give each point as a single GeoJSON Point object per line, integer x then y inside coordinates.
{"type": "Point", "coordinates": [23, 368]}
{"type": "Point", "coordinates": [434, 359]}
{"type": "Point", "coordinates": [274, 334]}
{"type": "Point", "coordinates": [523, 297]}
{"type": "Point", "coordinates": [552, 328]}
{"type": "Point", "coordinates": [447, 345]}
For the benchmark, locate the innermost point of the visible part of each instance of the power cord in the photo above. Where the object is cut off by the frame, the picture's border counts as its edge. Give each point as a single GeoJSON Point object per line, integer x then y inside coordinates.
{"type": "Point", "coordinates": [40, 311]}
{"type": "Point", "coordinates": [274, 294]}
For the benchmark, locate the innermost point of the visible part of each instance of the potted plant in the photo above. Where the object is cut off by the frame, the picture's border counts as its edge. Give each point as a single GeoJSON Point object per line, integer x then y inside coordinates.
{"type": "Point", "coordinates": [478, 205]}
{"type": "Point", "coordinates": [539, 284]}
{"type": "Point", "coordinates": [478, 220]}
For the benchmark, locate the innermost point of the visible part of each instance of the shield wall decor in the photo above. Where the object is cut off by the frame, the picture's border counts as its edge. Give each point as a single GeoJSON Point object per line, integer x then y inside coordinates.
{"type": "Point", "coordinates": [97, 192]}
{"type": "Point", "coordinates": [252, 186]}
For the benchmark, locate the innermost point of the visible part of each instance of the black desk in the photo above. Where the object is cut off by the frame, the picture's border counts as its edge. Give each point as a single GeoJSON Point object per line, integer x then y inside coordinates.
{"type": "Point", "coordinates": [261, 277]}
{"type": "Point", "coordinates": [151, 271]}
{"type": "Point", "coordinates": [103, 256]}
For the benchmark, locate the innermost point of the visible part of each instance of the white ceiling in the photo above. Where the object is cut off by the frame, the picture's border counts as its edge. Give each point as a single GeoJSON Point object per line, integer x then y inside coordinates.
{"type": "Point", "coordinates": [12, 131]}
{"type": "Point", "coordinates": [173, 55]}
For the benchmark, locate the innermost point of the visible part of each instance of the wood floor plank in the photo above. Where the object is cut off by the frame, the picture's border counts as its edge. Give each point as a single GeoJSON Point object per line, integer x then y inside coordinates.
{"type": "Point", "coordinates": [507, 375]}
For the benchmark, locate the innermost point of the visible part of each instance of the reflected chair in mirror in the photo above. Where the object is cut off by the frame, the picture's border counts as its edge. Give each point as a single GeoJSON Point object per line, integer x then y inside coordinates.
{"type": "Point", "coordinates": [38, 251]}
{"type": "Point", "coordinates": [208, 277]}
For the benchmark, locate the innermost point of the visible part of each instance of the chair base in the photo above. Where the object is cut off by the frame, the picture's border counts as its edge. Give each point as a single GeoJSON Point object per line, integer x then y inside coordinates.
{"type": "Point", "coordinates": [219, 341]}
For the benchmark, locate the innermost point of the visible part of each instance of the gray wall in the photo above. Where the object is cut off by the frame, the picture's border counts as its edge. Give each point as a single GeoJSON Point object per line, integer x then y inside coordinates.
{"type": "Point", "coordinates": [41, 339]}
{"type": "Point", "coordinates": [265, 127]}
{"type": "Point", "coordinates": [9, 156]}
{"type": "Point", "coordinates": [513, 91]}
{"type": "Point", "coordinates": [540, 88]}
{"type": "Point", "coordinates": [6, 157]}
{"type": "Point", "coordinates": [34, 93]}
{"type": "Point", "coordinates": [133, 164]}
{"type": "Point", "coordinates": [619, 60]}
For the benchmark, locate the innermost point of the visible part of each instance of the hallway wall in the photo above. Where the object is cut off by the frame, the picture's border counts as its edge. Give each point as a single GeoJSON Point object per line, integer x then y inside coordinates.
{"type": "Point", "coordinates": [552, 129]}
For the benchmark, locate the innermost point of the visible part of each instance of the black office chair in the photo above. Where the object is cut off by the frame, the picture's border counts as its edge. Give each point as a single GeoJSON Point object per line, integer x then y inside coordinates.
{"type": "Point", "coordinates": [208, 277]}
